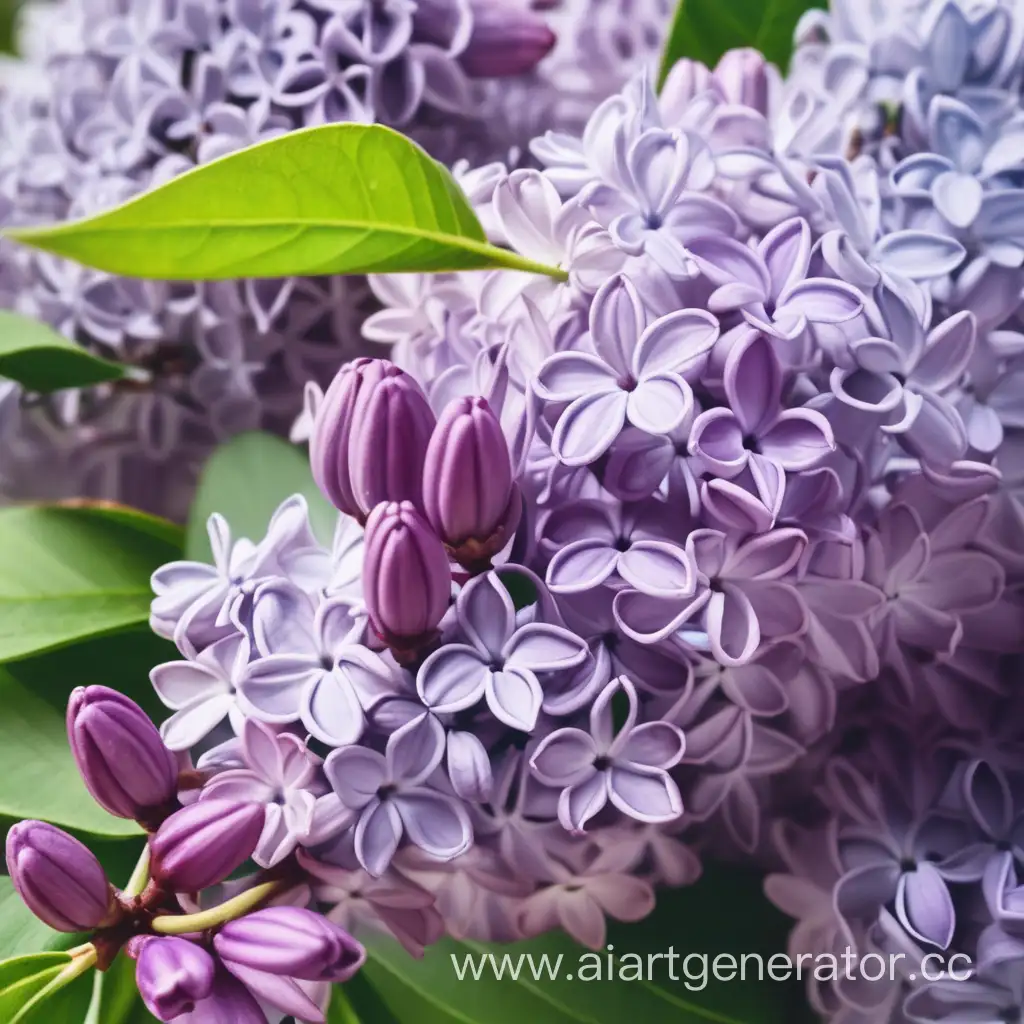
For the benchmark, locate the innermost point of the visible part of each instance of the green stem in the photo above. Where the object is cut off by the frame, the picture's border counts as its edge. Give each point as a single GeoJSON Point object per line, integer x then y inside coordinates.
{"type": "Point", "coordinates": [178, 924]}
{"type": "Point", "coordinates": [140, 876]}
{"type": "Point", "coordinates": [75, 969]}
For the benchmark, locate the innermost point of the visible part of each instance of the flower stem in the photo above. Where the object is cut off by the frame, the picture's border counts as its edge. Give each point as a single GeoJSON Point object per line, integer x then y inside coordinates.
{"type": "Point", "coordinates": [140, 876]}
{"type": "Point", "coordinates": [179, 924]}
{"type": "Point", "coordinates": [75, 968]}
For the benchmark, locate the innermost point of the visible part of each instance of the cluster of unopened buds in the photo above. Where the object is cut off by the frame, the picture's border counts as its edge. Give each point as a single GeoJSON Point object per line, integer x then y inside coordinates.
{"type": "Point", "coordinates": [243, 960]}
{"type": "Point", "coordinates": [427, 490]}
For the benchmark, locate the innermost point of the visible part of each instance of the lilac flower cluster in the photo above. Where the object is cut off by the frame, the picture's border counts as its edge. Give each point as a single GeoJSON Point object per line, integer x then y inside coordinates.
{"type": "Point", "coordinates": [115, 96]}
{"type": "Point", "coordinates": [753, 574]}
{"type": "Point", "coordinates": [253, 957]}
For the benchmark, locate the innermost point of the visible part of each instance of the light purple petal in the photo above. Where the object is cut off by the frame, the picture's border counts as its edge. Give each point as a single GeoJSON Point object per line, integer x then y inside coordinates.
{"type": "Point", "coordinates": [586, 430]}
{"type": "Point", "coordinates": [541, 647]}
{"type": "Point", "coordinates": [452, 678]}
{"type": "Point", "coordinates": [646, 794]}
{"type": "Point", "coordinates": [437, 824]}
{"type": "Point", "coordinates": [378, 833]}
{"type": "Point", "coordinates": [564, 758]}
{"type": "Point", "coordinates": [514, 697]}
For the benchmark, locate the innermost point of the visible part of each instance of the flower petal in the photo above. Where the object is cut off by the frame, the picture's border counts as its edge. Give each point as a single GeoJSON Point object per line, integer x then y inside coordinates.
{"type": "Point", "coordinates": [436, 823]}
{"type": "Point", "coordinates": [378, 833]}
{"type": "Point", "coordinates": [645, 794]}
{"type": "Point", "coordinates": [514, 697]}
{"type": "Point", "coordinates": [659, 403]}
{"type": "Point", "coordinates": [564, 758]}
{"type": "Point", "coordinates": [587, 429]}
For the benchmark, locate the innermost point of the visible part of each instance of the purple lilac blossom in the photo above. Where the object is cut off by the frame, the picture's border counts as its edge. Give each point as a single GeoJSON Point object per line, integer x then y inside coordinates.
{"type": "Point", "coordinates": [765, 593]}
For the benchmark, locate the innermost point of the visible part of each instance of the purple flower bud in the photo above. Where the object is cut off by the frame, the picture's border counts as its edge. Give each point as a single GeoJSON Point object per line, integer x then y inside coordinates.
{"type": "Point", "coordinates": [119, 752]}
{"type": "Point", "coordinates": [743, 77]}
{"type": "Point", "coordinates": [58, 878]}
{"type": "Point", "coordinates": [291, 941]}
{"type": "Point", "coordinates": [687, 79]}
{"type": "Point", "coordinates": [202, 844]}
{"type": "Point", "coordinates": [507, 39]}
{"type": "Point", "coordinates": [468, 490]}
{"type": "Point", "coordinates": [331, 435]}
{"type": "Point", "coordinates": [370, 437]}
{"type": "Point", "coordinates": [173, 975]}
{"type": "Point", "coordinates": [407, 580]}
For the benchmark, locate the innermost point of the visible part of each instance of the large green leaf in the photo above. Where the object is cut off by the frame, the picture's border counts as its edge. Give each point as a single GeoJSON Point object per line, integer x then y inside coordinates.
{"type": "Point", "coordinates": [245, 480]}
{"type": "Point", "coordinates": [704, 29]}
{"type": "Point", "coordinates": [23, 977]}
{"type": "Point", "coordinates": [38, 776]}
{"type": "Point", "coordinates": [67, 573]}
{"type": "Point", "coordinates": [724, 914]}
{"type": "Point", "coordinates": [40, 359]}
{"type": "Point", "coordinates": [336, 199]}
{"type": "Point", "coordinates": [21, 932]}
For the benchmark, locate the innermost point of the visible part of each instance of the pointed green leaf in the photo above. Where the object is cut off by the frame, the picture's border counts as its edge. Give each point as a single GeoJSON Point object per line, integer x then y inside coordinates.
{"type": "Point", "coordinates": [24, 978]}
{"type": "Point", "coordinates": [704, 29]}
{"type": "Point", "coordinates": [67, 574]}
{"type": "Point", "coordinates": [38, 776]}
{"type": "Point", "coordinates": [40, 359]}
{"type": "Point", "coordinates": [245, 480]}
{"type": "Point", "coordinates": [335, 199]}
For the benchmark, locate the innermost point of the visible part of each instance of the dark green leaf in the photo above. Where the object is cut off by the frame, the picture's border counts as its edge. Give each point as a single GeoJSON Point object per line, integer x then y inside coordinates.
{"type": "Point", "coordinates": [68, 1004]}
{"type": "Point", "coordinates": [38, 776]}
{"type": "Point", "coordinates": [245, 480]}
{"type": "Point", "coordinates": [21, 932]}
{"type": "Point", "coordinates": [40, 359]}
{"type": "Point", "coordinates": [704, 29]}
{"type": "Point", "coordinates": [24, 978]}
{"type": "Point", "coordinates": [121, 661]}
{"type": "Point", "coordinates": [336, 199]}
{"type": "Point", "coordinates": [67, 573]}
{"type": "Point", "coordinates": [725, 914]}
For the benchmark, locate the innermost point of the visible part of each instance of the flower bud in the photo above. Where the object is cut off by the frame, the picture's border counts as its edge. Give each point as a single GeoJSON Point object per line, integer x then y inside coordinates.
{"type": "Point", "coordinates": [172, 976]}
{"type": "Point", "coordinates": [468, 491]}
{"type": "Point", "coordinates": [742, 75]}
{"type": "Point", "coordinates": [370, 437]}
{"type": "Point", "coordinates": [119, 753]}
{"type": "Point", "coordinates": [407, 581]}
{"type": "Point", "coordinates": [58, 878]}
{"type": "Point", "coordinates": [331, 435]}
{"type": "Point", "coordinates": [203, 843]}
{"type": "Point", "coordinates": [290, 941]}
{"type": "Point", "coordinates": [687, 80]}
{"type": "Point", "coordinates": [507, 39]}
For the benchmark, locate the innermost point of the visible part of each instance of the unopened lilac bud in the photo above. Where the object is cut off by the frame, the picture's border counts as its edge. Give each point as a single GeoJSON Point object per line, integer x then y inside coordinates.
{"type": "Point", "coordinates": [173, 975]}
{"type": "Point", "coordinates": [120, 755]}
{"type": "Point", "coordinates": [469, 495]}
{"type": "Point", "coordinates": [687, 79]}
{"type": "Point", "coordinates": [203, 843]}
{"type": "Point", "coordinates": [507, 39]}
{"type": "Point", "coordinates": [58, 878]}
{"type": "Point", "coordinates": [370, 437]}
{"type": "Point", "coordinates": [742, 75]}
{"type": "Point", "coordinates": [290, 941]}
{"type": "Point", "coordinates": [406, 575]}
{"type": "Point", "coordinates": [332, 432]}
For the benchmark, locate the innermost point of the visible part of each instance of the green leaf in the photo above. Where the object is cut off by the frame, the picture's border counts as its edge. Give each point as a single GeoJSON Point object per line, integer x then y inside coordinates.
{"type": "Point", "coordinates": [38, 776]}
{"type": "Point", "coordinates": [245, 480]}
{"type": "Point", "coordinates": [23, 985]}
{"type": "Point", "coordinates": [336, 199]}
{"type": "Point", "coordinates": [704, 29]}
{"type": "Point", "coordinates": [725, 914]}
{"type": "Point", "coordinates": [40, 359]}
{"type": "Point", "coordinates": [15, 996]}
{"type": "Point", "coordinates": [21, 932]}
{"type": "Point", "coordinates": [171, 534]}
{"type": "Point", "coordinates": [66, 574]}
{"type": "Point", "coordinates": [121, 661]}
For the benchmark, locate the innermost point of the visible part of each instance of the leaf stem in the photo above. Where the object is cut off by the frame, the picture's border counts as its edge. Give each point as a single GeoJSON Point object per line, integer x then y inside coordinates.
{"type": "Point", "coordinates": [186, 924]}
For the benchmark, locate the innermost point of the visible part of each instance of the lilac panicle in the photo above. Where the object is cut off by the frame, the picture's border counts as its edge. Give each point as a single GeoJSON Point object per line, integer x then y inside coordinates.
{"type": "Point", "coordinates": [406, 575]}
{"type": "Point", "coordinates": [205, 842]}
{"type": "Point", "coordinates": [468, 492]}
{"type": "Point", "coordinates": [120, 755]}
{"type": "Point", "coordinates": [58, 878]}
{"type": "Point", "coordinates": [291, 941]}
{"type": "Point", "coordinates": [173, 975]}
